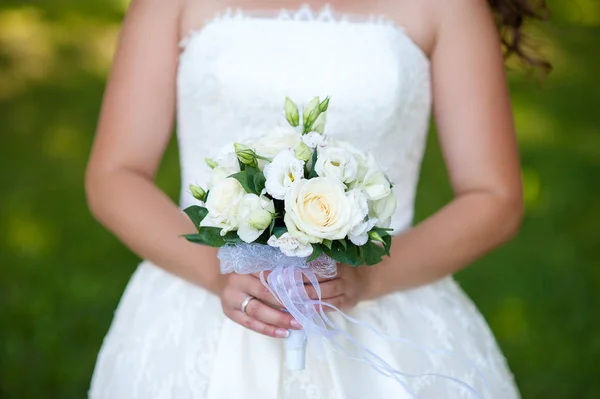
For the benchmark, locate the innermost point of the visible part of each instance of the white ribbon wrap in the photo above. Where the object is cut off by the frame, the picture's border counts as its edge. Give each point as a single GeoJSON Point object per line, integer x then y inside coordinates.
{"type": "Point", "coordinates": [286, 283]}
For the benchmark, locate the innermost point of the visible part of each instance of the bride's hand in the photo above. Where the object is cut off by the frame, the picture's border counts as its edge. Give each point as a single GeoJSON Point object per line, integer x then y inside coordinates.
{"type": "Point", "coordinates": [260, 314]}
{"type": "Point", "coordinates": [345, 291]}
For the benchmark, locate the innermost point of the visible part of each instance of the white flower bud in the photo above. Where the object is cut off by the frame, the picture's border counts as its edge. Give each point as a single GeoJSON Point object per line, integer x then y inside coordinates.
{"type": "Point", "coordinates": [211, 163]}
{"type": "Point", "coordinates": [291, 112]}
{"type": "Point", "coordinates": [319, 125]}
{"type": "Point", "coordinates": [311, 111]}
{"type": "Point", "coordinates": [198, 192]}
{"type": "Point", "coordinates": [245, 155]}
{"type": "Point", "coordinates": [254, 214]}
{"type": "Point", "coordinates": [374, 236]}
{"type": "Point", "coordinates": [302, 152]}
{"type": "Point", "coordinates": [260, 219]}
{"type": "Point", "coordinates": [324, 104]}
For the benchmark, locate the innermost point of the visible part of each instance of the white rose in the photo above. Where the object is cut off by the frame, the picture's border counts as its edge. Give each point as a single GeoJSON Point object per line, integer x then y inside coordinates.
{"type": "Point", "coordinates": [290, 246]}
{"type": "Point", "coordinates": [319, 209]}
{"type": "Point", "coordinates": [383, 209]}
{"type": "Point", "coordinates": [284, 138]}
{"type": "Point", "coordinates": [282, 172]}
{"type": "Point", "coordinates": [314, 139]}
{"type": "Point", "coordinates": [222, 203]}
{"type": "Point", "coordinates": [333, 161]}
{"type": "Point", "coordinates": [254, 214]}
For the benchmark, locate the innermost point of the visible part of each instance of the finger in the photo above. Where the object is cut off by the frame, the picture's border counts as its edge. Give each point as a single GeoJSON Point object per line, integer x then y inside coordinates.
{"type": "Point", "coordinates": [253, 286]}
{"type": "Point", "coordinates": [338, 301]}
{"type": "Point", "coordinates": [259, 291]}
{"type": "Point", "coordinates": [268, 315]}
{"type": "Point", "coordinates": [265, 273]}
{"type": "Point", "coordinates": [329, 289]}
{"type": "Point", "coordinates": [258, 326]}
{"type": "Point", "coordinates": [319, 279]}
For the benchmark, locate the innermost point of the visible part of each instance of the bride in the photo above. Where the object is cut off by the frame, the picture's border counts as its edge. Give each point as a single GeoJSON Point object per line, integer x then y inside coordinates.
{"type": "Point", "coordinates": [222, 69]}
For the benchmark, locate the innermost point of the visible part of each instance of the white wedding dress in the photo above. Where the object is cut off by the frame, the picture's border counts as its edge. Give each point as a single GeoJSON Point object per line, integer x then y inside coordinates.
{"type": "Point", "coordinates": [170, 340]}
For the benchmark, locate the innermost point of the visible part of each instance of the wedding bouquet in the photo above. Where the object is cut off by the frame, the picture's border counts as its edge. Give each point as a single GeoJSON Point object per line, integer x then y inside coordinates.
{"type": "Point", "coordinates": [299, 191]}
{"type": "Point", "coordinates": [295, 202]}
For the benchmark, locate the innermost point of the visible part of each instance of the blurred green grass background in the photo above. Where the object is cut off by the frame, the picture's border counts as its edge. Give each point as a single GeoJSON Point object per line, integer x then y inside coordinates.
{"type": "Point", "coordinates": [61, 274]}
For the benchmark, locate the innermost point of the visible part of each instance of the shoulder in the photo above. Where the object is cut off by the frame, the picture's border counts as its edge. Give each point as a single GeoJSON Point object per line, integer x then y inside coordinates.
{"type": "Point", "coordinates": [195, 13]}
{"type": "Point", "coordinates": [468, 14]}
{"type": "Point", "coordinates": [431, 22]}
{"type": "Point", "coordinates": [424, 20]}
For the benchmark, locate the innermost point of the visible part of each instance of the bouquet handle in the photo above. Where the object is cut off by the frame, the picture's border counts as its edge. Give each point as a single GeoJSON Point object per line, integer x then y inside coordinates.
{"type": "Point", "coordinates": [295, 350]}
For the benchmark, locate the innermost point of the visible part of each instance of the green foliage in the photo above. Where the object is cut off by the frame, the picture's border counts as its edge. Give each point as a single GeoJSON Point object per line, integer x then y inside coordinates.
{"type": "Point", "coordinates": [252, 179]}
{"type": "Point", "coordinates": [317, 251]}
{"type": "Point", "coordinates": [196, 214]}
{"type": "Point", "coordinates": [347, 253]}
{"type": "Point", "coordinates": [312, 173]}
{"type": "Point", "coordinates": [62, 275]}
{"type": "Point", "coordinates": [278, 231]}
{"type": "Point", "coordinates": [210, 236]}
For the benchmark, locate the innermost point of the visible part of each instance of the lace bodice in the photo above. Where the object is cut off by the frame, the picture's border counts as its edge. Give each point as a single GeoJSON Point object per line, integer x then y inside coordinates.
{"type": "Point", "coordinates": [236, 71]}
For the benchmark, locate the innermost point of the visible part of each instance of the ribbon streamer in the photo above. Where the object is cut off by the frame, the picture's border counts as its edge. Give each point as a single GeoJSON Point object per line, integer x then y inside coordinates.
{"type": "Point", "coordinates": [286, 284]}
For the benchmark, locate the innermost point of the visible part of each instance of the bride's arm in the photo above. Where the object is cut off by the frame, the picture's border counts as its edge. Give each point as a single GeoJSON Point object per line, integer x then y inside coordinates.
{"type": "Point", "coordinates": [135, 126]}
{"type": "Point", "coordinates": [475, 125]}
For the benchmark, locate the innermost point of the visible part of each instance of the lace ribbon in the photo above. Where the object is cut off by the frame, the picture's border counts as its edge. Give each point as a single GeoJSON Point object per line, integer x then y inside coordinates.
{"type": "Point", "coordinates": [286, 283]}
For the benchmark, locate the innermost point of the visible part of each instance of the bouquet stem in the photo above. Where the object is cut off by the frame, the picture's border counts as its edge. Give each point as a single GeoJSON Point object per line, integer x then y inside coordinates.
{"type": "Point", "coordinates": [295, 350]}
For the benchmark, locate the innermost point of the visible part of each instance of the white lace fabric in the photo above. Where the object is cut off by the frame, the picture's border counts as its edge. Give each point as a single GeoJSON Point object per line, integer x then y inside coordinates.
{"type": "Point", "coordinates": [170, 339]}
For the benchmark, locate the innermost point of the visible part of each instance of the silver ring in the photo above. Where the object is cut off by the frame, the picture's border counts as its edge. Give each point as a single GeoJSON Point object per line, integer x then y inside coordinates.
{"type": "Point", "coordinates": [245, 303]}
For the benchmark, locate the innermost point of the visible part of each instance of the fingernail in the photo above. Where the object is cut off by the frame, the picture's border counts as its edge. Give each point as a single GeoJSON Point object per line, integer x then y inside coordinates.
{"type": "Point", "coordinates": [282, 333]}
{"type": "Point", "coordinates": [295, 324]}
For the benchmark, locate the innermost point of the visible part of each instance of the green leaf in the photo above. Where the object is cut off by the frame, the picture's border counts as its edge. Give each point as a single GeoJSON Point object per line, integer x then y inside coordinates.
{"type": "Point", "coordinates": [317, 251]}
{"type": "Point", "coordinates": [264, 237]}
{"type": "Point", "coordinates": [387, 238]}
{"type": "Point", "coordinates": [279, 206]}
{"type": "Point", "coordinates": [327, 243]}
{"type": "Point", "coordinates": [232, 238]}
{"type": "Point", "coordinates": [210, 236]}
{"type": "Point", "coordinates": [196, 214]}
{"type": "Point", "coordinates": [348, 256]}
{"type": "Point", "coordinates": [272, 226]}
{"type": "Point", "coordinates": [382, 231]}
{"type": "Point", "coordinates": [278, 231]}
{"type": "Point", "coordinates": [372, 253]}
{"type": "Point", "coordinates": [312, 173]}
{"type": "Point", "coordinates": [246, 179]}
{"type": "Point", "coordinates": [387, 244]}
{"type": "Point", "coordinates": [344, 243]}
{"type": "Point", "coordinates": [259, 182]}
